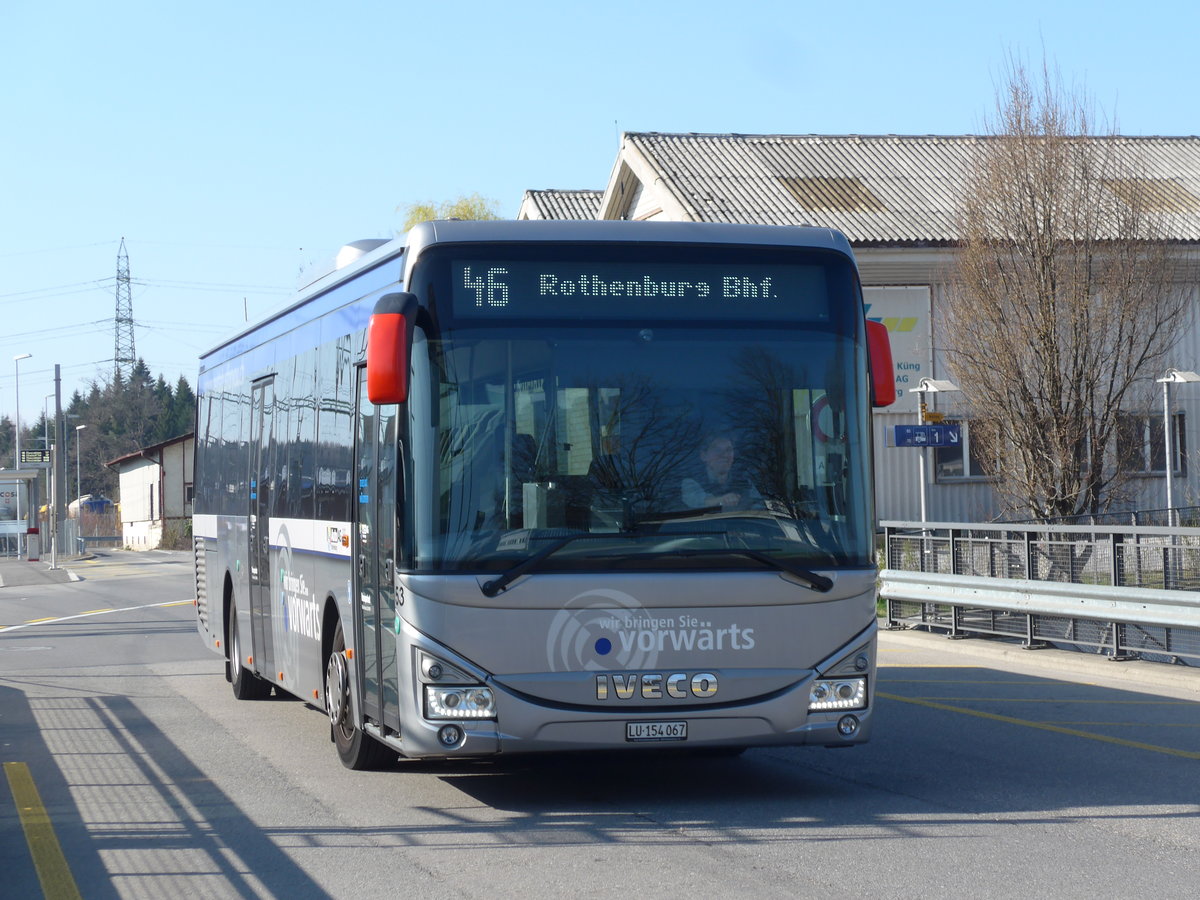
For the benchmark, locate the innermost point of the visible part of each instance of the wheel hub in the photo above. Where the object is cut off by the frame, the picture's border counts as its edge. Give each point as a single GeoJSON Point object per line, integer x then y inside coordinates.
{"type": "Point", "coordinates": [235, 654]}
{"type": "Point", "coordinates": [337, 690]}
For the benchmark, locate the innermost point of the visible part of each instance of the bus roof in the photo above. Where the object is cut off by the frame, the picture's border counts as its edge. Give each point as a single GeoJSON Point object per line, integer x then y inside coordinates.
{"type": "Point", "coordinates": [455, 231]}
{"type": "Point", "coordinates": [451, 231]}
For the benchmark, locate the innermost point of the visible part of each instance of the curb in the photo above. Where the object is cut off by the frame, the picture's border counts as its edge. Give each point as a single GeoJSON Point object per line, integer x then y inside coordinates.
{"type": "Point", "coordinates": [1076, 663]}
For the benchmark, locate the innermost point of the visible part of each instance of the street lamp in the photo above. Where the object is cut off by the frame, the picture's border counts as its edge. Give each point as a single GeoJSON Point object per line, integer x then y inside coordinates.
{"type": "Point", "coordinates": [46, 418]}
{"type": "Point", "coordinates": [46, 442]}
{"type": "Point", "coordinates": [17, 398]}
{"type": "Point", "coordinates": [1172, 376]}
{"type": "Point", "coordinates": [929, 386]}
{"type": "Point", "coordinates": [78, 494]}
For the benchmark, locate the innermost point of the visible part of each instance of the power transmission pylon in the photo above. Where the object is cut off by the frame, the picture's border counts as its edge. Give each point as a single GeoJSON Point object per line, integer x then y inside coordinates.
{"type": "Point", "coordinates": [124, 355]}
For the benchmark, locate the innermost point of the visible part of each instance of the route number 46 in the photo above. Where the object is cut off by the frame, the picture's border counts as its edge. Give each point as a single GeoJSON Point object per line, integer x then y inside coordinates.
{"type": "Point", "coordinates": [489, 288]}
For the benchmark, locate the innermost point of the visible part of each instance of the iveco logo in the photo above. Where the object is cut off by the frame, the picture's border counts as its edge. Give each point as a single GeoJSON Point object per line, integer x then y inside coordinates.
{"type": "Point", "coordinates": [678, 685]}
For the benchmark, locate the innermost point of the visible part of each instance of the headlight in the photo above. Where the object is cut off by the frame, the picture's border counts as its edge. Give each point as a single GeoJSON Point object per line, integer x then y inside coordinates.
{"type": "Point", "coordinates": [433, 669]}
{"type": "Point", "coordinates": [459, 702]}
{"type": "Point", "coordinates": [837, 693]}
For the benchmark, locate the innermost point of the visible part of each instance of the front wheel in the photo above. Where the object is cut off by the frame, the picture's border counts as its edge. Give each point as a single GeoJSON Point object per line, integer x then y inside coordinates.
{"type": "Point", "coordinates": [355, 749]}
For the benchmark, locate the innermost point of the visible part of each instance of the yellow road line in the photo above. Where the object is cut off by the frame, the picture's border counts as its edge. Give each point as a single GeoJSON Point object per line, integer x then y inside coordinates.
{"type": "Point", "coordinates": [1137, 724]}
{"type": "Point", "coordinates": [94, 612]}
{"type": "Point", "coordinates": [889, 664]}
{"type": "Point", "coordinates": [52, 870]}
{"type": "Point", "coordinates": [939, 681]}
{"type": "Point", "coordinates": [1043, 726]}
{"type": "Point", "coordinates": [1065, 700]}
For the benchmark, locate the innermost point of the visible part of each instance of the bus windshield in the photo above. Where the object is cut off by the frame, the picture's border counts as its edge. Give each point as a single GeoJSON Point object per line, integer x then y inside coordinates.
{"type": "Point", "coordinates": [639, 407]}
{"type": "Point", "coordinates": [698, 443]}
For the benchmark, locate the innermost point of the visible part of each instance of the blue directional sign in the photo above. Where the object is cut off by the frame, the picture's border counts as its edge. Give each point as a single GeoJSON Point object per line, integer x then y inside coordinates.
{"type": "Point", "coordinates": [927, 436]}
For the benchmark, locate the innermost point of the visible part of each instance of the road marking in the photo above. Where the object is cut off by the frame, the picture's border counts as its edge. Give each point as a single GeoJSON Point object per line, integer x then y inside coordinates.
{"type": "Point", "coordinates": [52, 869]}
{"type": "Point", "coordinates": [886, 664]}
{"type": "Point", "coordinates": [1043, 726]}
{"type": "Point", "coordinates": [942, 681]}
{"type": "Point", "coordinates": [1136, 724]}
{"type": "Point", "coordinates": [1065, 700]}
{"type": "Point", "coordinates": [94, 612]}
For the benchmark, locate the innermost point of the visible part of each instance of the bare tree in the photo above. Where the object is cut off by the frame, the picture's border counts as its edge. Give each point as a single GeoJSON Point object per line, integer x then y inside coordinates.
{"type": "Point", "coordinates": [648, 441]}
{"type": "Point", "coordinates": [757, 404]}
{"type": "Point", "coordinates": [1064, 305]}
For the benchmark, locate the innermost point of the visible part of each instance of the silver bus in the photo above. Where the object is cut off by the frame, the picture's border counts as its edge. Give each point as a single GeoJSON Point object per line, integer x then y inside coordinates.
{"type": "Point", "coordinates": [506, 487]}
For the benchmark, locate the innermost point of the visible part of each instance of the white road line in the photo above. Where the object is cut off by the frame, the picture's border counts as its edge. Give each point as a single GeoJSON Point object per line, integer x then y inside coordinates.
{"type": "Point", "coordinates": [96, 612]}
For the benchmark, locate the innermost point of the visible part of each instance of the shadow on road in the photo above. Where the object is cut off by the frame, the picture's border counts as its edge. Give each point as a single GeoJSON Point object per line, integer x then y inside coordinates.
{"type": "Point", "coordinates": [955, 751]}
{"type": "Point", "coordinates": [134, 816]}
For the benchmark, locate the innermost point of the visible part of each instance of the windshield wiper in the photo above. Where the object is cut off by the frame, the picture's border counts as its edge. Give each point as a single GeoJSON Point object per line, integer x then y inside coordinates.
{"type": "Point", "coordinates": [815, 580]}
{"type": "Point", "coordinates": [496, 585]}
{"type": "Point", "coordinates": [659, 517]}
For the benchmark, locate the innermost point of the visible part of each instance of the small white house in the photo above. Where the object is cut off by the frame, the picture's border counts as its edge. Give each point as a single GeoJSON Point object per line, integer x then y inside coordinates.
{"type": "Point", "coordinates": [155, 492]}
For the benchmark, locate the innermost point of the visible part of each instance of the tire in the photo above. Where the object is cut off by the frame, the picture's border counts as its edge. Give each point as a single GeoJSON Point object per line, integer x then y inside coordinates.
{"type": "Point", "coordinates": [355, 749]}
{"type": "Point", "coordinates": [246, 685]}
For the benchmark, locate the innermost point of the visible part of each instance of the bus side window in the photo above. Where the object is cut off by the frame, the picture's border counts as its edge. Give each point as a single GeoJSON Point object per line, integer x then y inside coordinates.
{"type": "Point", "coordinates": [335, 433]}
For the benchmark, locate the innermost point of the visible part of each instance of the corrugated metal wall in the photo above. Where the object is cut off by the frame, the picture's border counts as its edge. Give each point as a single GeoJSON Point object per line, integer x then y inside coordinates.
{"type": "Point", "coordinates": [897, 479]}
{"type": "Point", "coordinates": [762, 178]}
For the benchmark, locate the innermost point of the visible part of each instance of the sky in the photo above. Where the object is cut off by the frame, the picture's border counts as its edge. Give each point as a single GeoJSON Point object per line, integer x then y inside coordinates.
{"type": "Point", "coordinates": [235, 146]}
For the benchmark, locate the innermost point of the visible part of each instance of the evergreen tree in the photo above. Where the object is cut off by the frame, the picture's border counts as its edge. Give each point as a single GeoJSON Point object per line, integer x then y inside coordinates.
{"type": "Point", "coordinates": [7, 447]}
{"type": "Point", "coordinates": [183, 409]}
{"type": "Point", "coordinates": [163, 404]}
{"type": "Point", "coordinates": [121, 417]}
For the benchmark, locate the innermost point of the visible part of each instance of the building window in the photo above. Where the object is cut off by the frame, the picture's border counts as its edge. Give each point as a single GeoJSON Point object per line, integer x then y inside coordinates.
{"type": "Point", "coordinates": [960, 461]}
{"type": "Point", "coordinates": [1141, 446]}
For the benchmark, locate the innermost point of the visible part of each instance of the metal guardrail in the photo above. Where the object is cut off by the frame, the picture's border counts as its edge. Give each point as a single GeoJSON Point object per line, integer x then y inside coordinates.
{"type": "Point", "coordinates": [1187, 516]}
{"type": "Point", "coordinates": [107, 540]}
{"type": "Point", "coordinates": [1130, 592]}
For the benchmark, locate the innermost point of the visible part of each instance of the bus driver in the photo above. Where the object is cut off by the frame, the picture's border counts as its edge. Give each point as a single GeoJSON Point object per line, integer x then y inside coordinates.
{"type": "Point", "coordinates": [718, 483]}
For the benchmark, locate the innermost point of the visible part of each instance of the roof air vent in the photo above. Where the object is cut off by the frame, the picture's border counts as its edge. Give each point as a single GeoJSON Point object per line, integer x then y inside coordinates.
{"type": "Point", "coordinates": [356, 250]}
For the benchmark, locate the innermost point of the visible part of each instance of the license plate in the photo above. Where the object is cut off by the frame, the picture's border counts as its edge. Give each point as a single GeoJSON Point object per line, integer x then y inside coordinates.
{"type": "Point", "coordinates": [656, 731]}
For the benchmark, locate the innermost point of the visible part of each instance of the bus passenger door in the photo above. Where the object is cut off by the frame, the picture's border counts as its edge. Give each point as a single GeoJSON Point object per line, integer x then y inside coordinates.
{"type": "Point", "coordinates": [375, 555]}
{"type": "Point", "coordinates": [262, 452]}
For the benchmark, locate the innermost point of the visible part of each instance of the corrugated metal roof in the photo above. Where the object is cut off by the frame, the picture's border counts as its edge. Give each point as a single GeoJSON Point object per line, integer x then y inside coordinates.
{"type": "Point", "coordinates": [881, 190]}
{"type": "Point", "coordinates": [553, 204]}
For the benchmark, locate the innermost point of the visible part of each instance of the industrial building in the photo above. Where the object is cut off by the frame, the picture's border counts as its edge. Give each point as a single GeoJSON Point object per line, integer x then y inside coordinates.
{"type": "Point", "coordinates": [896, 198]}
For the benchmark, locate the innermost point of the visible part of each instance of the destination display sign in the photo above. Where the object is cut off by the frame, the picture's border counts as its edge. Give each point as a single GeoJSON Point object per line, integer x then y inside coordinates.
{"type": "Point", "coordinates": [557, 289]}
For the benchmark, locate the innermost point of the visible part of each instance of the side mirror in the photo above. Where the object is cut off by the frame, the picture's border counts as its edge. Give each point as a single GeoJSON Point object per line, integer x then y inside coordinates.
{"type": "Point", "coordinates": [883, 372]}
{"type": "Point", "coordinates": [389, 345]}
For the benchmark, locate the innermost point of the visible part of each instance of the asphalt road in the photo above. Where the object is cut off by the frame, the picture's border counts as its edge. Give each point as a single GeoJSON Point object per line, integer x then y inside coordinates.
{"type": "Point", "coordinates": [993, 772]}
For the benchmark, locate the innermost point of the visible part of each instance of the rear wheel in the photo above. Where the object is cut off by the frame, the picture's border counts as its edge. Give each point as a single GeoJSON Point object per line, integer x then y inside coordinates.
{"type": "Point", "coordinates": [246, 685]}
{"type": "Point", "coordinates": [356, 749]}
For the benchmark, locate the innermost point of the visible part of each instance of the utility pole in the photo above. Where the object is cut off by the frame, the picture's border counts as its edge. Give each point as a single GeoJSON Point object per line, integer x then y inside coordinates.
{"type": "Point", "coordinates": [123, 353]}
{"type": "Point", "coordinates": [59, 461]}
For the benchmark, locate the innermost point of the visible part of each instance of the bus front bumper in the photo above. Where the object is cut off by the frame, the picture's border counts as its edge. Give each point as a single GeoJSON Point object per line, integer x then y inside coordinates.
{"type": "Point", "coordinates": [526, 726]}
